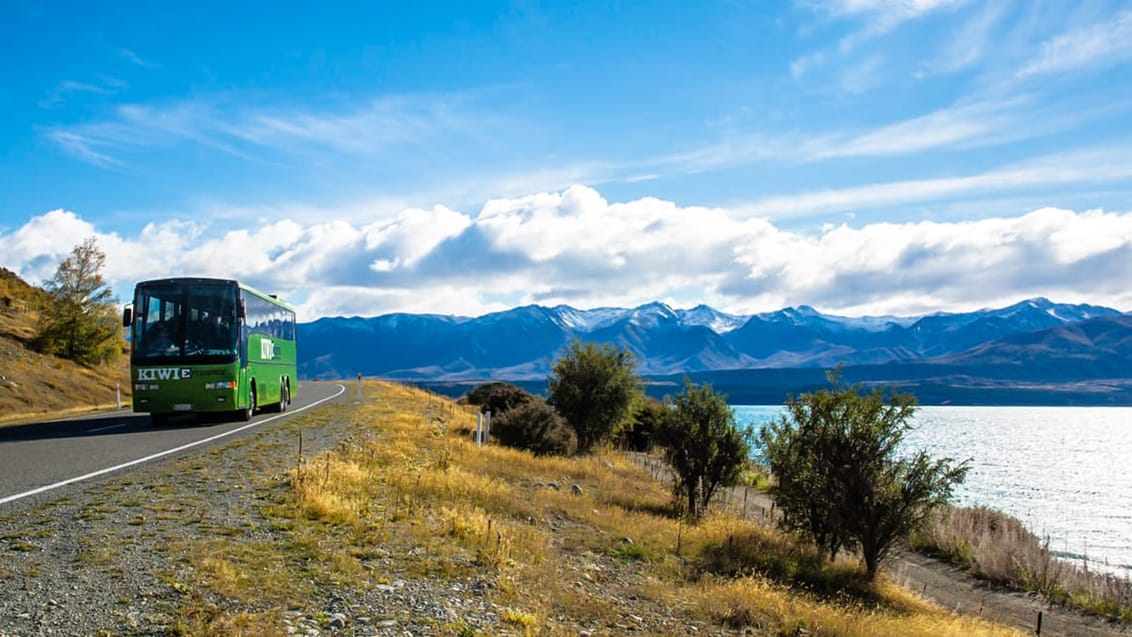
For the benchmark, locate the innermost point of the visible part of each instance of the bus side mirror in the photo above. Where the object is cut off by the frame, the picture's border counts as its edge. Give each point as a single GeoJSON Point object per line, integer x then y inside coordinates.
{"type": "Point", "coordinates": [241, 310]}
{"type": "Point", "coordinates": [127, 316]}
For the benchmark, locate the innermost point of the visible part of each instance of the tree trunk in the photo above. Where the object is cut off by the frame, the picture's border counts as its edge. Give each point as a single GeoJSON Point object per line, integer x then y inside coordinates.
{"type": "Point", "coordinates": [872, 561]}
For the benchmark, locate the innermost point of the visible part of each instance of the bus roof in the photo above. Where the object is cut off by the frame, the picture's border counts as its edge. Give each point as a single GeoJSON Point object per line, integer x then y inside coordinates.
{"type": "Point", "coordinates": [182, 280]}
{"type": "Point", "coordinates": [274, 298]}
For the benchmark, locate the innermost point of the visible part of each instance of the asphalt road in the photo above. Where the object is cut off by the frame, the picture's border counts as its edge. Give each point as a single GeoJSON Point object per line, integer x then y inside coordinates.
{"type": "Point", "coordinates": [38, 460]}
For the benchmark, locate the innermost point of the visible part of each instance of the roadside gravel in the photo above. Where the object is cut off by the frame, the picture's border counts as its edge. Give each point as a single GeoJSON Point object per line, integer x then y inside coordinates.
{"type": "Point", "coordinates": [143, 553]}
{"type": "Point", "coordinates": [111, 558]}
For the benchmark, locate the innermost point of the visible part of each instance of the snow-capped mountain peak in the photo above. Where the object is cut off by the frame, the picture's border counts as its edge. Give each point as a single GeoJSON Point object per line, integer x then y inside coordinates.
{"type": "Point", "coordinates": [714, 320]}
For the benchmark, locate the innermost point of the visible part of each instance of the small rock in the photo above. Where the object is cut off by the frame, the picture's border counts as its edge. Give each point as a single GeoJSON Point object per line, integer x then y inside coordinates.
{"type": "Point", "coordinates": [480, 586]}
{"type": "Point", "coordinates": [575, 489]}
{"type": "Point", "coordinates": [337, 621]}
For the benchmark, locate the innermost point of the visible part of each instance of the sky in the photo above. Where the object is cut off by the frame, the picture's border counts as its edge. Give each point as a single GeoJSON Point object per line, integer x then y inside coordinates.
{"type": "Point", "coordinates": [864, 157]}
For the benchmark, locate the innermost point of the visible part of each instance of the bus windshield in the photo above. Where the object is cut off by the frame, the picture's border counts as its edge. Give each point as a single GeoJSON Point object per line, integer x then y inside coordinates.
{"type": "Point", "coordinates": [185, 323]}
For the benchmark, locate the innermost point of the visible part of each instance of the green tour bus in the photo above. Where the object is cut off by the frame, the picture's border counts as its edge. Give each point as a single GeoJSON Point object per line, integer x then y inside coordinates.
{"type": "Point", "coordinates": [203, 345]}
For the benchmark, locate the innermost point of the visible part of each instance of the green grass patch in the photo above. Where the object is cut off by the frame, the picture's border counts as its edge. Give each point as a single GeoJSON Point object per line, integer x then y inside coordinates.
{"type": "Point", "coordinates": [22, 546]}
{"type": "Point", "coordinates": [633, 552]}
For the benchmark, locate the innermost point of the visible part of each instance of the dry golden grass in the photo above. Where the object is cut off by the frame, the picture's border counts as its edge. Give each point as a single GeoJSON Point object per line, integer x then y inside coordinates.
{"type": "Point", "coordinates": [244, 571]}
{"type": "Point", "coordinates": [332, 491]}
{"type": "Point", "coordinates": [772, 609]}
{"type": "Point", "coordinates": [207, 621]}
{"type": "Point", "coordinates": [567, 540]}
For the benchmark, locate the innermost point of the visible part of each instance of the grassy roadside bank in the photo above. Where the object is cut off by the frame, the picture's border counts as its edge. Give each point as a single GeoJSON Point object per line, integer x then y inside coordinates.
{"type": "Point", "coordinates": [35, 387]}
{"type": "Point", "coordinates": [556, 546]}
{"type": "Point", "coordinates": [998, 548]}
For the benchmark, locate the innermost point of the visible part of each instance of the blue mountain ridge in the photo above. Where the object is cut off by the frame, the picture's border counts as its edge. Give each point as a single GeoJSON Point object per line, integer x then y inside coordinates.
{"type": "Point", "coordinates": [1087, 362]}
{"type": "Point", "coordinates": [521, 344]}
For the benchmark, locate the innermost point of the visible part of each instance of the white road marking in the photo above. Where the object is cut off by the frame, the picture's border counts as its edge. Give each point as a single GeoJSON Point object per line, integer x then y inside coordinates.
{"type": "Point", "coordinates": [161, 454]}
{"type": "Point", "coordinates": [94, 431]}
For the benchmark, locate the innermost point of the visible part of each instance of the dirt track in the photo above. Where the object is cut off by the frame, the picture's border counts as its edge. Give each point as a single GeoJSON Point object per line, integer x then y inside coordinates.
{"type": "Point", "coordinates": [952, 588]}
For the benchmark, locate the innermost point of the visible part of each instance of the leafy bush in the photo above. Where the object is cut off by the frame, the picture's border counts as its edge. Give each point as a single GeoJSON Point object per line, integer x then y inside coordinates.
{"type": "Point", "coordinates": [536, 427]}
{"type": "Point", "coordinates": [498, 397]}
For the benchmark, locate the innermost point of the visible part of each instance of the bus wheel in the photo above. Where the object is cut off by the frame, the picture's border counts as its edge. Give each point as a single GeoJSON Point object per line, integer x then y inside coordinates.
{"type": "Point", "coordinates": [284, 395]}
{"type": "Point", "coordinates": [250, 411]}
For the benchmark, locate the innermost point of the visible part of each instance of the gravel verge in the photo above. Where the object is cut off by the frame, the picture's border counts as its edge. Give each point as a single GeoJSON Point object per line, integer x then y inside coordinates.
{"type": "Point", "coordinates": [114, 557]}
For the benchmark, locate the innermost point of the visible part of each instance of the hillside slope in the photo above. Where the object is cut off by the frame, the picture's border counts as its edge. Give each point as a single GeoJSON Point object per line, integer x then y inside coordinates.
{"type": "Point", "coordinates": [34, 386]}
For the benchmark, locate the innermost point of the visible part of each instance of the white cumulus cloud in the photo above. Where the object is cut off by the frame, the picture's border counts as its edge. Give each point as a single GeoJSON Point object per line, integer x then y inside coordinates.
{"type": "Point", "coordinates": [576, 247]}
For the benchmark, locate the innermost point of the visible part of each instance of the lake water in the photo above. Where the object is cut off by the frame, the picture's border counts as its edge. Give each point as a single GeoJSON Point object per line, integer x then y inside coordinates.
{"type": "Point", "coordinates": [1065, 472]}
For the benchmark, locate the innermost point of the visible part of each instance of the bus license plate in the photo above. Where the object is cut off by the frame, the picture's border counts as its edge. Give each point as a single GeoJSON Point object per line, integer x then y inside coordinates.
{"type": "Point", "coordinates": [182, 407]}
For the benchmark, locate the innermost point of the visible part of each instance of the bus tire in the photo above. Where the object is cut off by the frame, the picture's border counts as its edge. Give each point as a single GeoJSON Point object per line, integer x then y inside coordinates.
{"type": "Point", "coordinates": [284, 395]}
{"type": "Point", "coordinates": [247, 414]}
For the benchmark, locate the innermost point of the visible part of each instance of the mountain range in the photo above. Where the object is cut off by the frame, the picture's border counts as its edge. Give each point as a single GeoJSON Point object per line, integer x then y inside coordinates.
{"type": "Point", "coordinates": [1070, 353]}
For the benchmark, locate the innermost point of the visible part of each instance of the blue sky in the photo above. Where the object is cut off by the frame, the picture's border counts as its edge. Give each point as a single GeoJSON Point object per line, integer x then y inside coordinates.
{"type": "Point", "coordinates": [859, 156]}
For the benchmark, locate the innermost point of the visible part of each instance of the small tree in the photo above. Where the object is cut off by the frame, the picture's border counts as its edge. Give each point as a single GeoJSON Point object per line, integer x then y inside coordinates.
{"type": "Point", "coordinates": [704, 446]}
{"type": "Point", "coordinates": [593, 388]}
{"type": "Point", "coordinates": [81, 320]}
{"type": "Point", "coordinates": [840, 479]}
{"type": "Point", "coordinates": [535, 426]}
{"type": "Point", "coordinates": [795, 447]}
{"type": "Point", "coordinates": [641, 432]}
